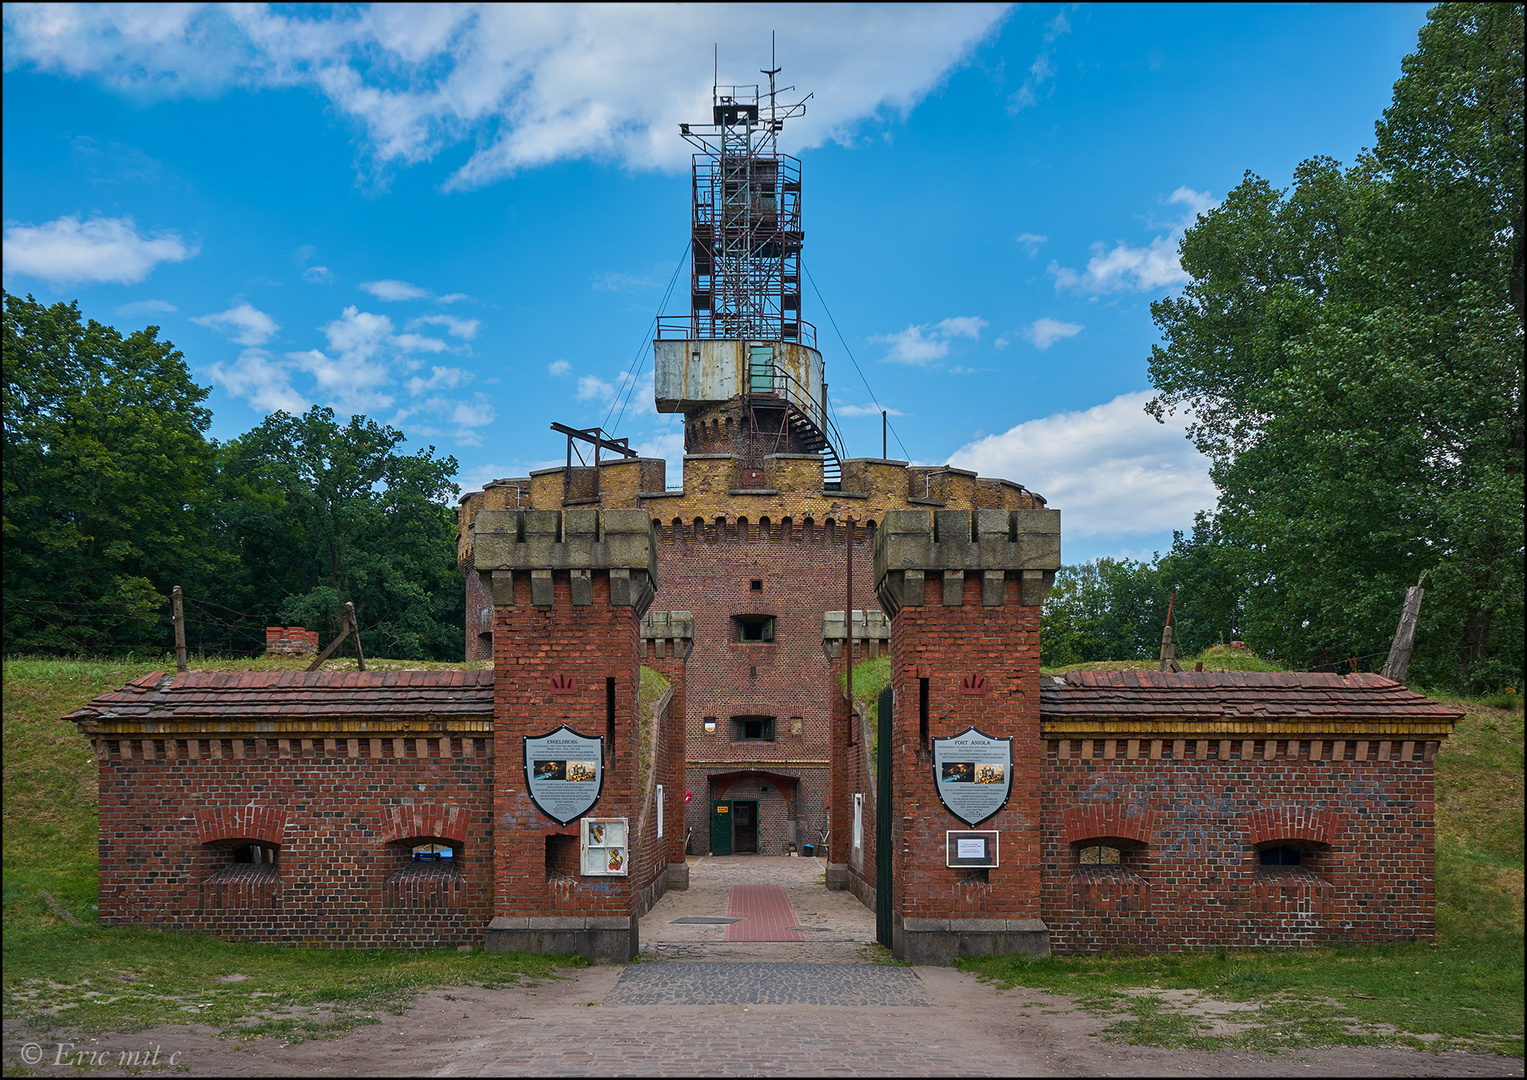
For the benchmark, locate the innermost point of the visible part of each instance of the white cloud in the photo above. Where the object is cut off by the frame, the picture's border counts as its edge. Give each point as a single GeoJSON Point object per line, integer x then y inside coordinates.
{"type": "Point", "coordinates": [921, 345]}
{"type": "Point", "coordinates": [1110, 469]}
{"type": "Point", "coordinates": [862, 410]}
{"type": "Point", "coordinates": [420, 343]}
{"type": "Point", "coordinates": [318, 275]}
{"type": "Point", "coordinates": [441, 378]}
{"type": "Point", "coordinates": [452, 298]}
{"type": "Point", "coordinates": [1143, 269]}
{"type": "Point", "coordinates": [244, 324]}
{"type": "Point", "coordinates": [1031, 241]}
{"type": "Point", "coordinates": [1041, 70]}
{"type": "Point", "coordinates": [527, 84]}
{"type": "Point", "coordinates": [1000, 343]}
{"type": "Point", "coordinates": [394, 290]}
{"type": "Point", "coordinates": [1046, 332]}
{"type": "Point", "coordinates": [593, 388]}
{"type": "Point", "coordinates": [558, 367]}
{"type": "Point", "coordinates": [145, 307]}
{"type": "Point", "coordinates": [69, 250]}
{"type": "Point", "coordinates": [264, 383]}
{"type": "Point", "coordinates": [462, 328]}
{"type": "Point", "coordinates": [478, 413]}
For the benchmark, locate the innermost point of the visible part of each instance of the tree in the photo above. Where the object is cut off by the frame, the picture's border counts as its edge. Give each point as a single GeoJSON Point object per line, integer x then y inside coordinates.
{"type": "Point", "coordinates": [1350, 352]}
{"type": "Point", "coordinates": [106, 470]}
{"type": "Point", "coordinates": [318, 514]}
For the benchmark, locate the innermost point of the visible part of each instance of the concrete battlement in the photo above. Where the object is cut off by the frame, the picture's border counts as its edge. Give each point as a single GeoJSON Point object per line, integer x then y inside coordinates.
{"type": "Point", "coordinates": [540, 543]}
{"type": "Point", "coordinates": [791, 489]}
{"type": "Point", "coordinates": [999, 544]}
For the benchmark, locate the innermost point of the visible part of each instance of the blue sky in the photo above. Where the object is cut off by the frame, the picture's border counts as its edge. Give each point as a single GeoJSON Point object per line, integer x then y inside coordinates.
{"type": "Point", "coordinates": [462, 220]}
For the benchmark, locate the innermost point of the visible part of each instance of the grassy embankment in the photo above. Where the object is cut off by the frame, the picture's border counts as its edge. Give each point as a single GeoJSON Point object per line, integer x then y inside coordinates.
{"type": "Point", "coordinates": [90, 977]}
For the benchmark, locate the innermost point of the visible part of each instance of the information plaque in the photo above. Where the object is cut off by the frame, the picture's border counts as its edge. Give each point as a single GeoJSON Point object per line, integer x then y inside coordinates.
{"type": "Point", "coordinates": [974, 849]}
{"type": "Point", "coordinates": [973, 773]}
{"type": "Point", "coordinates": [564, 772]}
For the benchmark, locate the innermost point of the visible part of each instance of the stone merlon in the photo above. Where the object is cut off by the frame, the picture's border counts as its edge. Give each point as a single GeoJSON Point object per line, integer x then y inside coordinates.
{"type": "Point", "coordinates": [538, 543]}
{"type": "Point", "coordinates": [911, 544]}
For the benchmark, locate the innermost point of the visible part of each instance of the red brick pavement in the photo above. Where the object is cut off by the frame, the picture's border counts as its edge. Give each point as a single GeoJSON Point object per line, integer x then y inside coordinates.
{"type": "Point", "coordinates": [765, 913]}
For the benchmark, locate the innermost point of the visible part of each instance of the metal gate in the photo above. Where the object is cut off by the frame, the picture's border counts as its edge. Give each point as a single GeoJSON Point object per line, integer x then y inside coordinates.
{"type": "Point", "coordinates": [883, 819]}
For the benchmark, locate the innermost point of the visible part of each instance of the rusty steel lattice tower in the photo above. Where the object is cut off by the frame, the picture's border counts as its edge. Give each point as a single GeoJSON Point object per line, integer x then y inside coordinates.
{"type": "Point", "coordinates": [745, 280]}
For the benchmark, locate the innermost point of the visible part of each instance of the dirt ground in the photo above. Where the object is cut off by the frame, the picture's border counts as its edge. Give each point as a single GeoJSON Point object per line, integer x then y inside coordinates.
{"type": "Point", "coordinates": [954, 1025]}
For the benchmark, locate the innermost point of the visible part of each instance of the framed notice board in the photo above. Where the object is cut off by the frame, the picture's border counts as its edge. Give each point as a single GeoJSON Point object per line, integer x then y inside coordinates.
{"type": "Point", "coordinates": [604, 850]}
{"type": "Point", "coordinates": [972, 849]}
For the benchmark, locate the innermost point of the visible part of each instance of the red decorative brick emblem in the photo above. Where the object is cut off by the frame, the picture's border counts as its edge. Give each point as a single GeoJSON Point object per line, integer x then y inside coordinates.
{"type": "Point", "coordinates": [973, 684]}
{"type": "Point", "coordinates": [564, 684]}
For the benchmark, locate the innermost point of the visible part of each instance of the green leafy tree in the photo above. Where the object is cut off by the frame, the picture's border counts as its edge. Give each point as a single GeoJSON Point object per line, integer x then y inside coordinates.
{"type": "Point", "coordinates": [106, 471]}
{"type": "Point", "coordinates": [1350, 353]}
{"type": "Point", "coordinates": [317, 514]}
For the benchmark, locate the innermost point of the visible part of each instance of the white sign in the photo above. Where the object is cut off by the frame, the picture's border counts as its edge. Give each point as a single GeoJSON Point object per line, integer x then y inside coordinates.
{"type": "Point", "coordinates": [966, 848]}
{"type": "Point", "coordinates": [858, 820]}
{"type": "Point", "coordinates": [660, 811]}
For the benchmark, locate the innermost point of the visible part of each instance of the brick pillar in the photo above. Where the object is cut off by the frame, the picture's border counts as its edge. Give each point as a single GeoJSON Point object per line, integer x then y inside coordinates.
{"type": "Point", "coordinates": [667, 639]}
{"type": "Point", "coordinates": [569, 589]}
{"type": "Point", "coordinates": [963, 590]}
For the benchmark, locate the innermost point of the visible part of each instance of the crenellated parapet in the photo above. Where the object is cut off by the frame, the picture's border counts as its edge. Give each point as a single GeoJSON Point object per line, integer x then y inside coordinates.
{"type": "Point", "coordinates": [541, 545]}
{"type": "Point", "coordinates": [667, 633]}
{"type": "Point", "coordinates": [913, 547]}
{"type": "Point", "coordinates": [723, 499]}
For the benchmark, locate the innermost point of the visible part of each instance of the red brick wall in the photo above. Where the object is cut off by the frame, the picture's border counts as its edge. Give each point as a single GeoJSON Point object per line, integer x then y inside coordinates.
{"type": "Point", "coordinates": [334, 802]}
{"type": "Point", "coordinates": [944, 644]}
{"type": "Point", "coordinates": [531, 646]}
{"type": "Point", "coordinates": [1196, 882]}
{"type": "Point", "coordinates": [802, 575]}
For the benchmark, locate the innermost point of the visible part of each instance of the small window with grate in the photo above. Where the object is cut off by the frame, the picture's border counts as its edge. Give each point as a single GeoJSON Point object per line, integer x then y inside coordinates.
{"type": "Point", "coordinates": [1099, 855]}
{"type": "Point", "coordinates": [255, 852]}
{"type": "Point", "coordinates": [1279, 856]}
{"type": "Point", "coordinates": [755, 628]}
{"type": "Point", "coordinates": [752, 729]}
{"type": "Point", "coordinates": [433, 852]}
{"type": "Point", "coordinates": [756, 585]}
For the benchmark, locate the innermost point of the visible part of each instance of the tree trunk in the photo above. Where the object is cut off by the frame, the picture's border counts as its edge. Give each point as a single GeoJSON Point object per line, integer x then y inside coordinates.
{"type": "Point", "coordinates": [1404, 636]}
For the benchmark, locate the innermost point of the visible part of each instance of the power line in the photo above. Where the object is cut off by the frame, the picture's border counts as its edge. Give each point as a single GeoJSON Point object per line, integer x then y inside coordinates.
{"type": "Point", "coordinates": [643, 349]}
{"type": "Point", "coordinates": [850, 354]}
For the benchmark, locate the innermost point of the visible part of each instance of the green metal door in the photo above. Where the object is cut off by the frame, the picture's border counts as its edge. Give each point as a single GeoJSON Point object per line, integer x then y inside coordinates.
{"type": "Point", "coordinates": [883, 846]}
{"type": "Point", "coordinates": [721, 828]}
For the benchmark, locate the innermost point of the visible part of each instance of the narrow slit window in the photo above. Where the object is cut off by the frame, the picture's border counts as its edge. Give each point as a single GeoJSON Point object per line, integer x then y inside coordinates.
{"type": "Point", "coordinates": [922, 716]}
{"type": "Point", "coordinates": [609, 723]}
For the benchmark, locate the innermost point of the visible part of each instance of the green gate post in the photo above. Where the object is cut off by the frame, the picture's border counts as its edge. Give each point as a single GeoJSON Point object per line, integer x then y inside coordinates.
{"type": "Point", "coordinates": [883, 795]}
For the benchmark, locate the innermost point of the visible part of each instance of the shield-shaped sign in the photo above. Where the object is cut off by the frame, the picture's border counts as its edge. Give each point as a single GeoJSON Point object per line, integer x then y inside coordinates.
{"type": "Point", "coordinates": [973, 774]}
{"type": "Point", "coordinates": [564, 772]}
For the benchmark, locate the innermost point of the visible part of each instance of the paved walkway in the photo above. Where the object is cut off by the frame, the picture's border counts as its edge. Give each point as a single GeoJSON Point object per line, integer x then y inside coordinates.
{"type": "Point", "coordinates": [831, 927]}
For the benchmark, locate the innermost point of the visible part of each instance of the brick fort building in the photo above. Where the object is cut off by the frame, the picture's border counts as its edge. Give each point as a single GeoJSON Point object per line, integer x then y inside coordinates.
{"type": "Point", "coordinates": [1143, 810]}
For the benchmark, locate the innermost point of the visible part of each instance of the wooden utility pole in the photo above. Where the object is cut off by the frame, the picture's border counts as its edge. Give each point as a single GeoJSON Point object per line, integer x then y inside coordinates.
{"type": "Point", "coordinates": [180, 628]}
{"type": "Point", "coordinates": [355, 631]}
{"type": "Point", "coordinates": [1168, 650]}
{"type": "Point", "coordinates": [1404, 634]}
{"type": "Point", "coordinates": [350, 629]}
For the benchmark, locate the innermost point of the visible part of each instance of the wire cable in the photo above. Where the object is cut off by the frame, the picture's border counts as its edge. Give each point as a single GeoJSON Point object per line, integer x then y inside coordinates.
{"type": "Point", "coordinates": [850, 354]}
{"type": "Point", "coordinates": [624, 396]}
